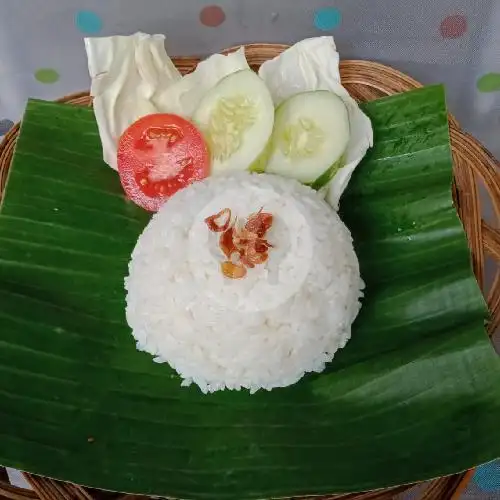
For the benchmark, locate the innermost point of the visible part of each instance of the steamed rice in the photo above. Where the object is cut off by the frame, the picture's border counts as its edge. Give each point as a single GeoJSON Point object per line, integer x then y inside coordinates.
{"type": "Point", "coordinates": [285, 318]}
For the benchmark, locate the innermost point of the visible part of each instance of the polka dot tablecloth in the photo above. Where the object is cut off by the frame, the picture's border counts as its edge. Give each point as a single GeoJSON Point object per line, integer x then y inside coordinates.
{"type": "Point", "coordinates": [450, 41]}
{"type": "Point", "coordinates": [456, 42]}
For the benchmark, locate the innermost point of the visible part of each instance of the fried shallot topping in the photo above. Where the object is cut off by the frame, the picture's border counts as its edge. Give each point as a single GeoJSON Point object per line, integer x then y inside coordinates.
{"type": "Point", "coordinates": [243, 247]}
{"type": "Point", "coordinates": [233, 271]}
{"type": "Point", "coordinates": [219, 222]}
{"type": "Point", "coordinates": [259, 223]}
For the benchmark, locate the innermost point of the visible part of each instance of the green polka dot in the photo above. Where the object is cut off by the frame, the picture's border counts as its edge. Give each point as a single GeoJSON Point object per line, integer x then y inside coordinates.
{"type": "Point", "coordinates": [46, 75]}
{"type": "Point", "coordinates": [490, 82]}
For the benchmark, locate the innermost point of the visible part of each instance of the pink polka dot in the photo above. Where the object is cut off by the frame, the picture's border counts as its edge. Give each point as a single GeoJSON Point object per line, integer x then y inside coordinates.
{"type": "Point", "coordinates": [453, 26]}
{"type": "Point", "coordinates": [212, 15]}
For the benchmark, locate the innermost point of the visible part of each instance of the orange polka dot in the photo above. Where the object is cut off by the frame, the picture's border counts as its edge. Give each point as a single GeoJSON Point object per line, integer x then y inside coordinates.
{"type": "Point", "coordinates": [212, 15]}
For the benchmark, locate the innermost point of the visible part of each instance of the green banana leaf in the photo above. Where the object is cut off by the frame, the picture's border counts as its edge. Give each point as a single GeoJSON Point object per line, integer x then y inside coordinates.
{"type": "Point", "coordinates": [414, 395]}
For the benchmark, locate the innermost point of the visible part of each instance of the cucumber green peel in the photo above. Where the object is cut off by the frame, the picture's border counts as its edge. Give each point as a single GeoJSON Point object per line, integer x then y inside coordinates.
{"type": "Point", "coordinates": [324, 179]}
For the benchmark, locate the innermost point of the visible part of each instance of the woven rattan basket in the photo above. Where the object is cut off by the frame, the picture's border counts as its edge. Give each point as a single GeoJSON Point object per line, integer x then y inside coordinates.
{"type": "Point", "coordinates": [474, 170]}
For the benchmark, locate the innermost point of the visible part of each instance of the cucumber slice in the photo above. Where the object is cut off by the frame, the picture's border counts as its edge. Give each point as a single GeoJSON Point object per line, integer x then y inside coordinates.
{"type": "Point", "coordinates": [236, 117]}
{"type": "Point", "coordinates": [310, 137]}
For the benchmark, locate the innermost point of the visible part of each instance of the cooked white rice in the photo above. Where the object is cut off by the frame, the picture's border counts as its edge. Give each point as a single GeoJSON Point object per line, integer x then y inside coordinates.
{"type": "Point", "coordinates": [285, 318]}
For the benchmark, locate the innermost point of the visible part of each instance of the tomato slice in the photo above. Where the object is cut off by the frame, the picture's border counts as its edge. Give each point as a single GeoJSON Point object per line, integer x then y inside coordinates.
{"type": "Point", "coordinates": [158, 155]}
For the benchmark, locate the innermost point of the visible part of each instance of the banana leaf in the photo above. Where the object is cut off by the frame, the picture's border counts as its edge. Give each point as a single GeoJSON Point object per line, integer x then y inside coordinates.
{"type": "Point", "coordinates": [414, 395]}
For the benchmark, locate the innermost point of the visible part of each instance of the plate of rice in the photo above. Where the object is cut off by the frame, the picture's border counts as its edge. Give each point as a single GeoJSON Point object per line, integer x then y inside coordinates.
{"type": "Point", "coordinates": [239, 284]}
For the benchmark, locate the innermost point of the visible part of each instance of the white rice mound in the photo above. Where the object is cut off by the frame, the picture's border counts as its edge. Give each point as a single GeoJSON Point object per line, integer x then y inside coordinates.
{"type": "Point", "coordinates": [287, 317]}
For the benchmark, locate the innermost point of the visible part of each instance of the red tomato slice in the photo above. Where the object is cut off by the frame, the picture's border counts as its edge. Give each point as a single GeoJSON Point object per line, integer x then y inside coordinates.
{"type": "Point", "coordinates": [158, 155]}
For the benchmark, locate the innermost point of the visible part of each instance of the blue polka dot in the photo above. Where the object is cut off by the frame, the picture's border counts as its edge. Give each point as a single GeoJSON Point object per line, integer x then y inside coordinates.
{"type": "Point", "coordinates": [5, 126]}
{"type": "Point", "coordinates": [88, 22]}
{"type": "Point", "coordinates": [327, 19]}
{"type": "Point", "coordinates": [487, 476]}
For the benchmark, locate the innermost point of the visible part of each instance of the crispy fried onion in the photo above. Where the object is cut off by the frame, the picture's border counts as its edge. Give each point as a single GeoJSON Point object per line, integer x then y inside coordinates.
{"type": "Point", "coordinates": [245, 246]}
{"type": "Point", "coordinates": [219, 222]}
